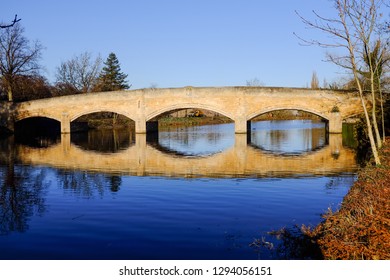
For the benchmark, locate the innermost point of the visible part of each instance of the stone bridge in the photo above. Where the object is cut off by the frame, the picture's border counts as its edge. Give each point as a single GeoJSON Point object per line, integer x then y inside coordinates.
{"type": "Point", "coordinates": [241, 104]}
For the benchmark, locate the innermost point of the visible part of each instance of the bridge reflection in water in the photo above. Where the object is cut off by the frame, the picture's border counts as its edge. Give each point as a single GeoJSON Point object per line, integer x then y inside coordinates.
{"type": "Point", "coordinates": [240, 160]}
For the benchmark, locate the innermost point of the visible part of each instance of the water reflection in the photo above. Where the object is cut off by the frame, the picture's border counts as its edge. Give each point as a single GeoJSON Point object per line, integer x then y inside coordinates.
{"type": "Point", "coordinates": [105, 141]}
{"type": "Point", "coordinates": [87, 184]}
{"type": "Point", "coordinates": [22, 195]}
{"type": "Point", "coordinates": [81, 199]}
{"type": "Point", "coordinates": [195, 141]}
{"type": "Point", "coordinates": [288, 137]}
{"type": "Point", "coordinates": [239, 160]}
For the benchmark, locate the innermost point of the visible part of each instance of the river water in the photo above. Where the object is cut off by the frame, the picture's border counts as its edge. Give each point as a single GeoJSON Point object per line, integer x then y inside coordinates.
{"type": "Point", "coordinates": [198, 192]}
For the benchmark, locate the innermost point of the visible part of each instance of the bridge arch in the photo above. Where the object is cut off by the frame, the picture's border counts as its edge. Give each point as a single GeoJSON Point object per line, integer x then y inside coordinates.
{"type": "Point", "coordinates": [152, 124]}
{"type": "Point", "coordinates": [268, 110]}
{"type": "Point", "coordinates": [99, 110]}
{"type": "Point", "coordinates": [181, 106]}
{"type": "Point", "coordinates": [324, 119]}
{"type": "Point", "coordinates": [20, 117]}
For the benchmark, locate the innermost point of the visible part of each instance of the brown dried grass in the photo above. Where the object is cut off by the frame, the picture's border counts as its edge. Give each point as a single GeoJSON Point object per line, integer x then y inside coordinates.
{"type": "Point", "coordinates": [361, 228]}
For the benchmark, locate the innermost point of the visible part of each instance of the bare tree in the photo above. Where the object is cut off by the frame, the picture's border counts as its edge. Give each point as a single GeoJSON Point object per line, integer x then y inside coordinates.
{"type": "Point", "coordinates": [17, 56]}
{"type": "Point", "coordinates": [80, 72]}
{"type": "Point", "coordinates": [16, 19]}
{"type": "Point", "coordinates": [376, 57]}
{"type": "Point", "coordinates": [255, 82]}
{"type": "Point", "coordinates": [315, 84]}
{"type": "Point", "coordinates": [31, 87]}
{"type": "Point", "coordinates": [353, 32]}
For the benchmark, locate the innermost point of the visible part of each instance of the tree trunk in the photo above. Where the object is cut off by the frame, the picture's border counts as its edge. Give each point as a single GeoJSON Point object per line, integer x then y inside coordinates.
{"type": "Point", "coordinates": [9, 91]}
{"type": "Point", "coordinates": [367, 117]}
{"type": "Point", "coordinates": [373, 96]}
{"type": "Point", "coordinates": [382, 114]}
{"type": "Point", "coordinates": [376, 129]}
{"type": "Point", "coordinates": [371, 137]}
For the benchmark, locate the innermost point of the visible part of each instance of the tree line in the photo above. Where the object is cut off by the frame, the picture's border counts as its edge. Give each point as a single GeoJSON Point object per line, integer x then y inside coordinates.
{"type": "Point", "coordinates": [20, 70]}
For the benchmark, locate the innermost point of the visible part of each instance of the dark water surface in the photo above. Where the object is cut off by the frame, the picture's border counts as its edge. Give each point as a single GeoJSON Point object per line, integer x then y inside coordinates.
{"type": "Point", "coordinates": [195, 193]}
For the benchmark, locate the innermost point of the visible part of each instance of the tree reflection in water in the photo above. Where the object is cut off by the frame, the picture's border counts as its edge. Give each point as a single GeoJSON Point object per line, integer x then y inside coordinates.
{"type": "Point", "coordinates": [22, 195]}
{"type": "Point", "coordinates": [104, 141]}
{"type": "Point", "coordinates": [23, 192]}
{"type": "Point", "coordinates": [87, 184]}
{"type": "Point", "coordinates": [23, 188]}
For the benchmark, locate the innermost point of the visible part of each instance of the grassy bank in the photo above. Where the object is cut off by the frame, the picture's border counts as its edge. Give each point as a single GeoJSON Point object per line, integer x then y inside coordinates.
{"type": "Point", "coordinates": [287, 115]}
{"type": "Point", "coordinates": [189, 121]}
{"type": "Point", "coordinates": [361, 227]}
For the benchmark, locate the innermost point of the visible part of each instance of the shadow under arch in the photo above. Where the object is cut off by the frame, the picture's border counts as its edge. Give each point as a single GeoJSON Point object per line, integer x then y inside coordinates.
{"type": "Point", "coordinates": [91, 111]}
{"type": "Point", "coordinates": [37, 131]}
{"type": "Point", "coordinates": [103, 132]}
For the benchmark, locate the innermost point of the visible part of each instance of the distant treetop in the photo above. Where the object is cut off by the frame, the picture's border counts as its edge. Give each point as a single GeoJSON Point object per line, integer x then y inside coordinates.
{"type": "Point", "coordinates": [111, 78]}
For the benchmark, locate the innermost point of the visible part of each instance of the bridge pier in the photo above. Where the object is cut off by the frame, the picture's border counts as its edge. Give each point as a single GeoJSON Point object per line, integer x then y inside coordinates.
{"type": "Point", "coordinates": [335, 123]}
{"type": "Point", "coordinates": [65, 123]}
{"type": "Point", "coordinates": [242, 126]}
{"type": "Point", "coordinates": [140, 126]}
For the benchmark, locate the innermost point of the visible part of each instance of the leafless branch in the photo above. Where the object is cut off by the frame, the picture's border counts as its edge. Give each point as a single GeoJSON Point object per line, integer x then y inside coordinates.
{"type": "Point", "coordinates": [16, 19]}
{"type": "Point", "coordinates": [326, 25]}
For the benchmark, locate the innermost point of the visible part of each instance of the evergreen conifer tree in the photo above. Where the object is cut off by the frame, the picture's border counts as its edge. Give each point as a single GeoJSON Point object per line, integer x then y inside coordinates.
{"type": "Point", "coordinates": [111, 78]}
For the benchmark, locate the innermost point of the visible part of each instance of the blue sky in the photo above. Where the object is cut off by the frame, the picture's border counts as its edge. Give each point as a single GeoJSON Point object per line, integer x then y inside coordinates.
{"type": "Point", "coordinates": [173, 43]}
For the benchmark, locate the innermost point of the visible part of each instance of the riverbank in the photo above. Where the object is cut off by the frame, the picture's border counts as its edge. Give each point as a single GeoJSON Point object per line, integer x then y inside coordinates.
{"type": "Point", "coordinates": [361, 227]}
